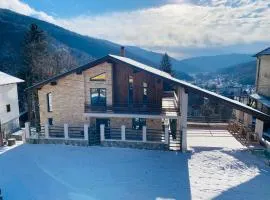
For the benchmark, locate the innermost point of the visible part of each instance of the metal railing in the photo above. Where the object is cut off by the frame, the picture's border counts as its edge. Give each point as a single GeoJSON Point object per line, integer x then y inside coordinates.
{"type": "Point", "coordinates": [131, 108]}
{"type": "Point", "coordinates": [37, 131]}
{"type": "Point", "coordinates": [76, 132]}
{"type": "Point", "coordinates": [113, 133]}
{"type": "Point", "coordinates": [56, 131]}
{"type": "Point", "coordinates": [155, 135]}
{"type": "Point", "coordinates": [128, 134]}
{"type": "Point", "coordinates": [64, 131]}
{"type": "Point", "coordinates": [132, 134]}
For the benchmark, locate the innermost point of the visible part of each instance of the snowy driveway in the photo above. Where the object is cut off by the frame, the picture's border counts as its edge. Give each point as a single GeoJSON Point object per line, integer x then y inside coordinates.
{"type": "Point", "coordinates": [59, 172]}
{"type": "Point", "coordinates": [221, 168]}
{"type": "Point", "coordinates": [197, 138]}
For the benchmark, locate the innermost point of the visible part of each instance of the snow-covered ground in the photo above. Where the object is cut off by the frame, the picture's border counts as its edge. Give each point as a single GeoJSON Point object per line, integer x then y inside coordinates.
{"type": "Point", "coordinates": [7, 148]}
{"type": "Point", "coordinates": [45, 172]}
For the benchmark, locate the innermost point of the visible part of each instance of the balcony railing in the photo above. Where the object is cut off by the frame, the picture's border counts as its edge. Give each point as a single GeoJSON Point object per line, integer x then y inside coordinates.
{"type": "Point", "coordinates": [130, 108]}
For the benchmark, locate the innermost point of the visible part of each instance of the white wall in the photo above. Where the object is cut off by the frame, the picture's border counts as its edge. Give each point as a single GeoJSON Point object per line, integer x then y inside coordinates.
{"type": "Point", "coordinates": [8, 95]}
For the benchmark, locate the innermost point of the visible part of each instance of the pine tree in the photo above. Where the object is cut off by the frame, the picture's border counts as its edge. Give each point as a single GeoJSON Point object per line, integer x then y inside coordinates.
{"type": "Point", "coordinates": [165, 64]}
{"type": "Point", "coordinates": [35, 61]}
{"type": "Point", "coordinates": [34, 55]}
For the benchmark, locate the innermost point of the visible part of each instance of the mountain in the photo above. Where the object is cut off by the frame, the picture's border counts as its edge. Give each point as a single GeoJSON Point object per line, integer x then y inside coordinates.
{"type": "Point", "coordinates": [244, 73]}
{"type": "Point", "coordinates": [197, 64]}
{"type": "Point", "coordinates": [83, 48]}
{"type": "Point", "coordinates": [214, 63]}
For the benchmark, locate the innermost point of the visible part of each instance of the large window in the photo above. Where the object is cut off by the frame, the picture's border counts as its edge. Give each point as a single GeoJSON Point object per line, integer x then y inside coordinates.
{"type": "Point", "coordinates": [49, 102]}
{"type": "Point", "coordinates": [138, 123]}
{"type": "Point", "coordinates": [130, 89]}
{"type": "Point", "coordinates": [145, 92]}
{"type": "Point", "coordinates": [98, 96]}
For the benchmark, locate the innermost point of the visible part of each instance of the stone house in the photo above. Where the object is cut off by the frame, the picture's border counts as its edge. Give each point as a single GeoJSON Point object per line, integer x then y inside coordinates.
{"type": "Point", "coordinates": [116, 91]}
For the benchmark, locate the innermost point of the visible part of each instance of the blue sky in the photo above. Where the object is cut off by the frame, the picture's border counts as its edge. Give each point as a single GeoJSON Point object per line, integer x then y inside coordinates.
{"type": "Point", "coordinates": [183, 28]}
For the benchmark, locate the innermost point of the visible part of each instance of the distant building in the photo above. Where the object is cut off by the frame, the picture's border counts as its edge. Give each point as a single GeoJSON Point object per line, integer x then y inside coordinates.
{"type": "Point", "coordinates": [9, 108]}
{"type": "Point", "coordinates": [260, 99]}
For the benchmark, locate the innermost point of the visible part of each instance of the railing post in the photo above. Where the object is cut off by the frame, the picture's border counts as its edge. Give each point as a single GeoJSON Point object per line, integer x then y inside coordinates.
{"type": "Point", "coordinates": [144, 134]}
{"type": "Point", "coordinates": [27, 130]}
{"type": "Point", "coordinates": [166, 135]}
{"type": "Point", "coordinates": [123, 132]}
{"type": "Point", "coordinates": [102, 132]}
{"type": "Point", "coordinates": [85, 130]}
{"type": "Point", "coordinates": [46, 127]}
{"type": "Point", "coordinates": [66, 131]}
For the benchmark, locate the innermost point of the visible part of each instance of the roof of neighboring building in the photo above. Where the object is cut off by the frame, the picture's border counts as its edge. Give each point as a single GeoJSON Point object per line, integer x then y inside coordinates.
{"type": "Point", "coordinates": [113, 58]}
{"type": "Point", "coordinates": [8, 79]}
{"type": "Point", "coordinates": [264, 100]}
{"type": "Point", "coordinates": [263, 52]}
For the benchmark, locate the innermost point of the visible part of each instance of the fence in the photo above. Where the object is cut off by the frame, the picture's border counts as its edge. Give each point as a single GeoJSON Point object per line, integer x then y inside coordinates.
{"type": "Point", "coordinates": [65, 132]}
{"type": "Point", "coordinates": [83, 135]}
{"type": "Point", "coordinates": [130, 135]}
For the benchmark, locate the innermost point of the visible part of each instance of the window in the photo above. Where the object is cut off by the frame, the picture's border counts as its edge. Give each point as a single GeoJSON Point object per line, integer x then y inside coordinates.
{"type": "Point", "coordinates": [50, 121]}
{"type": "Point", "coordinates": [98, 96]}
{"type": "Point", "coordinates": [145, 92]}
{"type": "Point", "coordinates": [100, 77]}
{"type": "Point", "coordinates": [130, 89]}
{"type": "Point", "coordinates": [8, 107]}
{"type": "Point", "coordinates": [138, 123]}
{"type": "Point", "coordinates": [49, 102]}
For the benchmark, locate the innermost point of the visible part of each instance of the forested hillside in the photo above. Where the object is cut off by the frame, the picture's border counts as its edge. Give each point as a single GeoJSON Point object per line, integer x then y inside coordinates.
{"type": "Point", "coordinates": [81, 49]}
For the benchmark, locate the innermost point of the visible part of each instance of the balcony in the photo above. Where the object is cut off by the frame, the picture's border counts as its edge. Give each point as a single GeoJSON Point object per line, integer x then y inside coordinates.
{"type": "Point", "coordinates": [169, 107]}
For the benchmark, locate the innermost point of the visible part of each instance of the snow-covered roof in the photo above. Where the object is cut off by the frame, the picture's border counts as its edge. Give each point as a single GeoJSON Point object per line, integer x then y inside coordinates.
{"type": "Point", "coordinates": [8, 79]}
{"type": "Point", "coordinates": [263, 52]}
{"type": "Point", "coordinates": [265, 101]}
{"type": "Point", "coordinates": [141, 65]}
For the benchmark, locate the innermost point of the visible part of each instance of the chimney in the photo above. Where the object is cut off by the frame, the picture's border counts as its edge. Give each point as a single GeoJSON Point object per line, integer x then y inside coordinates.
{"type": "Point", "coordinates": [122, 51]}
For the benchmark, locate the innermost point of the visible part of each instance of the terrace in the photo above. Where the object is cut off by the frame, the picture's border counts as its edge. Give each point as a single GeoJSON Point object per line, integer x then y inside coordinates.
{"type": "Point", "coordinates": [169, 107]}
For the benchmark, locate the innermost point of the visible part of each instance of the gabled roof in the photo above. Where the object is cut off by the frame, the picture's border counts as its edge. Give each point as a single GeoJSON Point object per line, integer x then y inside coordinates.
{"type": "Point", "coordinates": [263, 52]}
{"type": "Point", "coordinates": [189, 87]}
{"type": "Point", "coordinates": [8, 79]}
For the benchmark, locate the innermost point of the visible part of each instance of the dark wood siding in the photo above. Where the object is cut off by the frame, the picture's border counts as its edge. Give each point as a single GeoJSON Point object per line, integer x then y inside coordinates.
{"type": "Point", "coordinates": [121, 73]}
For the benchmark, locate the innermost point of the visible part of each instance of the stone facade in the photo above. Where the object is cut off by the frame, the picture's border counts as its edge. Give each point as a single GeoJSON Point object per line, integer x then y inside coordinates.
{"type": "Point", "coordinates": [118, 122]}
{"type": "Point", "coordinates": [154, 124]}
{"type": "Point", "coordinates": [70, 94]}
{"type": "Point", "coordinates": [67, 100]}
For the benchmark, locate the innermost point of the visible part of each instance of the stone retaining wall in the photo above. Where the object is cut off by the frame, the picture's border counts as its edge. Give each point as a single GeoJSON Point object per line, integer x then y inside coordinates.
{"type": "Point", "coordinates": [135, 145]}
{"type": "Point", "coordinates": [58, 141]}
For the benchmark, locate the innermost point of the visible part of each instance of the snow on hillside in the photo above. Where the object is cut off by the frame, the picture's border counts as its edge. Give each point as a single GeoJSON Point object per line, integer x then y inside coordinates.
{"type": "Point", "coordinates": [45, 172]}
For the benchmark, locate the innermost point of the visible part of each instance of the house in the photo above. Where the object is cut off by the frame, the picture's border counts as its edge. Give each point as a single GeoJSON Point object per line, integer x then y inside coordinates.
{"type": "Point", "coordinates": [9, 108]}
{"type": "Point", "coordinates": [124, 96]}
{"type": "Point", "coordinates": [260, 99]}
